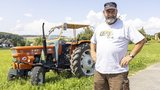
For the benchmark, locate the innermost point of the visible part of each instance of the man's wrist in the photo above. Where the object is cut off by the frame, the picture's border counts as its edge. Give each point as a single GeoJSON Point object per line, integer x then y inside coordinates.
{"type": "Point", "coordinates": [131, 55]}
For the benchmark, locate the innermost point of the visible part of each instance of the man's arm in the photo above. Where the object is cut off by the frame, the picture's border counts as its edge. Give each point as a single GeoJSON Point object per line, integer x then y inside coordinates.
{"type": "Point", "coordinates": [93, 51]}
{"type": "Point", "coordinates": [137, 48]}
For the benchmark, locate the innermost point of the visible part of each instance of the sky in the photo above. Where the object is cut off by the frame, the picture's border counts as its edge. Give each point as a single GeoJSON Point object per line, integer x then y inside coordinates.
{"type": "Point", "coordinates": [25, 17]}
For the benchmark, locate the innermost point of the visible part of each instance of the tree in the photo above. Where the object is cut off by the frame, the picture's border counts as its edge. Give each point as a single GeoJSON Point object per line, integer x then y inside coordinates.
{"type": "Point", "coordinates": [86, 35]}
{"type": "Point", "coordinates": [28, 43]}
{"type": "Point", "coordinates": [142, 31]}
{"type": "Point", "coordinates": [37, 41]}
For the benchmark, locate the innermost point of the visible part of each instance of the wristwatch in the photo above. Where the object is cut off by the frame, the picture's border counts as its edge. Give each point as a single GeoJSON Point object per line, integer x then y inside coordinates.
{"type": "Point", "coordinates": [132, 56]}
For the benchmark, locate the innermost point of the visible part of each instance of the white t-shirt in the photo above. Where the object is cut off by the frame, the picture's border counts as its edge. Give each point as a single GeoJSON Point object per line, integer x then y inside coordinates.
{"type": "Point", "coordinates": [112, 45]}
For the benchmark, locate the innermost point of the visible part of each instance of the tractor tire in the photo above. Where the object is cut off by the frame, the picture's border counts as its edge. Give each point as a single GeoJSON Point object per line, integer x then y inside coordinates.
{"type": "Point", "coordinates": [81, 63]}
{"type": "Point", "coordinates": [12, 74]}
{"type": "Point", "coordinates": [37, 75]}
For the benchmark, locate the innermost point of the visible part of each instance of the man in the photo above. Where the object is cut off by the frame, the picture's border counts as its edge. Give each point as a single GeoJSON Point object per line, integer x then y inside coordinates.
{"type": "Point", "coordinates": [109, 45]}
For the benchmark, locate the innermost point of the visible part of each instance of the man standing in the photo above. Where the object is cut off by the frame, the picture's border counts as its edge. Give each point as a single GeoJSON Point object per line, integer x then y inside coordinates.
{"type": "Point", "coordinates": [109, 45]}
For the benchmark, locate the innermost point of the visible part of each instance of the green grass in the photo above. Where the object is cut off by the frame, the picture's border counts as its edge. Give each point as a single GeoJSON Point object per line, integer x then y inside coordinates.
{"type": "Point", "coordinates": [150, 54]}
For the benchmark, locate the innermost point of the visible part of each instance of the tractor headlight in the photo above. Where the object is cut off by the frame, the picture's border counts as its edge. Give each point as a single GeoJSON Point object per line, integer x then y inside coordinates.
{"type": "Point", "coordinates": [24, 58]}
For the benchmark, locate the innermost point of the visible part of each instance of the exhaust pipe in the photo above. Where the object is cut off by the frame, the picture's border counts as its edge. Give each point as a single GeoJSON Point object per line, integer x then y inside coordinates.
{"type": "Point", "coordinates": [44, 43]}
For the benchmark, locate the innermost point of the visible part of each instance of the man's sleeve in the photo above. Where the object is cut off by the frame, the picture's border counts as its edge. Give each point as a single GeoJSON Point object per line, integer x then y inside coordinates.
{"type": "Point", "coordinates": [93, 38]}
{"type": "Point", "coordinates": [134, 35]}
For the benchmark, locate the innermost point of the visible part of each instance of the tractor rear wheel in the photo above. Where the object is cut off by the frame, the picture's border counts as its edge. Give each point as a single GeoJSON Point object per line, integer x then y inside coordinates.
{"type": "Point", "coordinates": [37, 75]}
{"type": "Point", "coordinates": [81, 63]}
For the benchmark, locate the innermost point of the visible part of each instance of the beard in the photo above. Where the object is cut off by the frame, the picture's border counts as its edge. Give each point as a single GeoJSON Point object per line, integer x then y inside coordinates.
{"type": "Point", "coordinates": [111, 20]}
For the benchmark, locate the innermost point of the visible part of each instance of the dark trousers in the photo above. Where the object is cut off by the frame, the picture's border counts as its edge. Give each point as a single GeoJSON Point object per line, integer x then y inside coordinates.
{"type": "Point", "coordinates": [111, 81]}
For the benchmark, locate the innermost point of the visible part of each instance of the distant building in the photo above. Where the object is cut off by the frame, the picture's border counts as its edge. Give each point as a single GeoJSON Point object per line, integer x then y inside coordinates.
{"type": "Point", "coordinates": [6, 45]}
{"type": "Point", "coordinates": [156, 36]}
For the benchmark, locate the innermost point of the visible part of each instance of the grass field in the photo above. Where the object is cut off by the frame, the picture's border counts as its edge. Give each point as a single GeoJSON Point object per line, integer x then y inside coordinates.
{"type": "Point", "coordinates": [150, 54]}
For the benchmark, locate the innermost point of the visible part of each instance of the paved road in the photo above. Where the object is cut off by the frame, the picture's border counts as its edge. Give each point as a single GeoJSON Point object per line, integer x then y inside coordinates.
{"type": "Point", "coordinates": [148, 79]}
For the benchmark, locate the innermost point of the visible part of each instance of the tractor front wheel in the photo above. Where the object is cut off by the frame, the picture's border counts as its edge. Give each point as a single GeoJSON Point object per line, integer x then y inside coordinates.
{"type": "Point", "coordinates": [37, 75]}
{"type": "Point", "coordinates": [12, 74]}
{"type": "Point", "coordinates": [81, 63]}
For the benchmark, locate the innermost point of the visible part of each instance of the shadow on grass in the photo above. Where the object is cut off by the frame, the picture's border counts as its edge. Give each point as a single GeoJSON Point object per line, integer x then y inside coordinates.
{"type": "Point", "coordinates": [59, 76]}
{"type": "Point", "coordinates": [53, 79]}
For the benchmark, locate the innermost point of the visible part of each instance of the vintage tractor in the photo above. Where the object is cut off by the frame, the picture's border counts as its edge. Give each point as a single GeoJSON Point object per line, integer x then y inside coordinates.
{"type": "Point", "coordinates": [57, 53]}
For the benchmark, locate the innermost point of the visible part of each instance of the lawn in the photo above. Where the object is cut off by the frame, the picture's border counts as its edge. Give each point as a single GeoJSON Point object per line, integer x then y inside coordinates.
{"type": "Point", "coordinates": [150, 54]}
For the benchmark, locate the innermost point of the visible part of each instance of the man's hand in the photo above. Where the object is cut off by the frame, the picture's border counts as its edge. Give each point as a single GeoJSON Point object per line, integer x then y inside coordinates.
{"type": "Point", "coordinates": [138, 46]}
{"type": "Point", "coordinates": [125, 61]}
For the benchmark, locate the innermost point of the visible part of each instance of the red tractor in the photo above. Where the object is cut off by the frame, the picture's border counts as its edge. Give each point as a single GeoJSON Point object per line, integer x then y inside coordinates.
{"type": "Point", "coordinates": [57, 53]}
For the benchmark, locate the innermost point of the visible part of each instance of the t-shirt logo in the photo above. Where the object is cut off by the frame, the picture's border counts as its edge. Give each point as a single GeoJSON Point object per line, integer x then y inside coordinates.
{"type": "Point", "coordinates": [107, 33]}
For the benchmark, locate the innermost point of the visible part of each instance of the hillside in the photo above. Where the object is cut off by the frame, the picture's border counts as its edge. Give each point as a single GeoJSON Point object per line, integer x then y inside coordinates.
{"type": "Point", "coordinates": [9, 39]}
